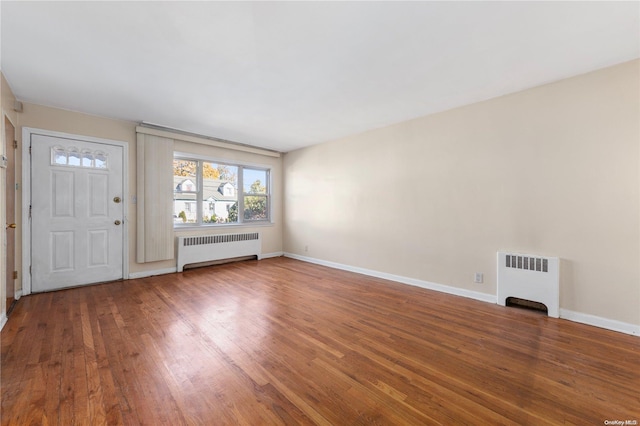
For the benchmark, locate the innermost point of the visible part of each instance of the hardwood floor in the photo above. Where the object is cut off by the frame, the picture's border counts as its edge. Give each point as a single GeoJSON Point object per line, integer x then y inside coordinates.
{"type": "Point", "coordinates": [285, 342]}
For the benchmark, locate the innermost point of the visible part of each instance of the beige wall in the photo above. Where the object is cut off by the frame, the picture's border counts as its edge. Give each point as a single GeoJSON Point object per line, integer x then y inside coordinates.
{"type": "Point", "coordinates": [553, 170]}
{"type": "Point", "coordinates": [41, 117]}
{"type": "Point", "coordinates": [8, 100]}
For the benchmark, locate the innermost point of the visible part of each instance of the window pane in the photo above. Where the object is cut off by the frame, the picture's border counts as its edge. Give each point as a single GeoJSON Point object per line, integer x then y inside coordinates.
{"type": "Point", "coordinates": [219, 193]}
{"type": "Point", "coordinates": [59, 156]}
{"type": "Point", "coordinates": [87, 159]}
{"type": "Point", "coordinates": [74, 157]}
{"type": "Point", "coordinates": [184, 175]}
{"type": "Point", "coordinates": [184, 187]}
{"type": "Point", "coordinates": [254, 181]}
{"type": "Point", "coordinates": [255, 207]}
{"type": "Point", "coordinates": [100, 160]}
{"type": "Point", "coordinates": [184, 208]}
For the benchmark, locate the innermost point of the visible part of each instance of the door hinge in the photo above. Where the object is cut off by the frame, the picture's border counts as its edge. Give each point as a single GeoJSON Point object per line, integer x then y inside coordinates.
{"type": "Point", "coordinates": [15, 144]}
{"type": "Point", "coordinates": [30, 270]}
{"type": "Point", "coordinates": [29, 149]}
{"type": "Point", "coordinates": [15, 275]}
{"type": "Point", "coordinates": [29, 211]}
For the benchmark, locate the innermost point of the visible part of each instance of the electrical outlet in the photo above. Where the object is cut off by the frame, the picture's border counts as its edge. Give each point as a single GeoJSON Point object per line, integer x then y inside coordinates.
{"type": "Point", "coordinates": [478, 278]}
{"type": "Point", "coordinates": [306, 248]}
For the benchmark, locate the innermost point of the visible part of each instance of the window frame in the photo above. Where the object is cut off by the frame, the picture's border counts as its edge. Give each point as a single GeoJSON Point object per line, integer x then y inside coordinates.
{"type": "Point", "coordinates": [266, 195]}
{"type": "Point", "coordinates": [240, 193]}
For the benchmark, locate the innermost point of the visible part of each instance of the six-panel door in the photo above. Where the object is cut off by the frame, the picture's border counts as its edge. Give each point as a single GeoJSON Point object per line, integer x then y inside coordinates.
{"type": "Point", "coordinates": [77, 212]}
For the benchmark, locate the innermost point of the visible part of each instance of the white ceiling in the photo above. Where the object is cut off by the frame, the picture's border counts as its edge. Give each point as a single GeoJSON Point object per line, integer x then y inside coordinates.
{"type": "Point", "coordinates": [284, 75]}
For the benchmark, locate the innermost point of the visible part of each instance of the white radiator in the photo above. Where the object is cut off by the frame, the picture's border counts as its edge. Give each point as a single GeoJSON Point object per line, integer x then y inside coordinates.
{"type": "Point", "coordinates": [205, 248]}
{"type": "Point", "coordinates": [530, 277]}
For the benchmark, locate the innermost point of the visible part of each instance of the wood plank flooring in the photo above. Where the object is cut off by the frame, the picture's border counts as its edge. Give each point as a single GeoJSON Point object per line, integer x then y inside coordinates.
{"type": "Point", "coordinates": [280, 341]}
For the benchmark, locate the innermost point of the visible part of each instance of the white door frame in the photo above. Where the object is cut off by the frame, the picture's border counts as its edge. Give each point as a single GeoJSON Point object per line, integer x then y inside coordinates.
{"type": "Point", "coordinates": [26, 197]}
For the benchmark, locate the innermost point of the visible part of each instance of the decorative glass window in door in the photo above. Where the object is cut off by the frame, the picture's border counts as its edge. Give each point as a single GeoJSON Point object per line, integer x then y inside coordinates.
{"type": "Point", "coordinates": [75, 158]}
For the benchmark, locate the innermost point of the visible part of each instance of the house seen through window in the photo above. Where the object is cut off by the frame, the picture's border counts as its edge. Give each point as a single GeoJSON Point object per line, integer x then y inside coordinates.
{"type": "Point", "coordinates": [210, 193]}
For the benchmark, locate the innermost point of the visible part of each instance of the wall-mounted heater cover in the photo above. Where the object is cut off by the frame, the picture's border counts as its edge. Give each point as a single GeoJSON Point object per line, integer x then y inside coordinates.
{"type": "Point", "coordinates": [204, 248]}
{"type": "Point", "coordinates": [530, 277]}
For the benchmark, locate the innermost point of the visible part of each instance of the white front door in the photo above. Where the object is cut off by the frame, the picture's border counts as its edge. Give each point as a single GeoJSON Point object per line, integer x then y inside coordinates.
{"type": "Point", "coordinates": [77, 212]}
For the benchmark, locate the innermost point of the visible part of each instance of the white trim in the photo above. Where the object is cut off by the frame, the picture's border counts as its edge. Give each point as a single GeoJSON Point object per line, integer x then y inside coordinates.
{"type": "Point", "coordinates": [3, 320]}
{"type": "Point", "coordinates": [26, 221]}
{"type": "Point", "coordinates": [484, 297]}
{"type": "Point", "coordinates": [18, 294]}
{"type": "Point", "coordinates": [596, 321]}
{"type": "Point", "coordinates": [270, 255]}
{"type": "Point", "coordinates": [144, 274]}
{"type": "Point", "coordinates": [206, 141]}
{"type": "Point", "coordinates": [27, 132]}
{"type": "Point", "coordinates": [608, 324]}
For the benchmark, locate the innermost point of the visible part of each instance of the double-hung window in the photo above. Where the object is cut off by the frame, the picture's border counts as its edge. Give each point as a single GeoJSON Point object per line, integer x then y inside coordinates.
{"type": "Point", "coordinates": [215, 193]}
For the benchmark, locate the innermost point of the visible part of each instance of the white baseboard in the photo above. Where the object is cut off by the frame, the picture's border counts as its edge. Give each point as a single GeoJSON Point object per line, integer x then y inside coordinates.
{"type": "Point", "coordinates": [593, 320]}
{"type": "Point", "coordinates": [3, 320]}
{"type": "Point", "coordinates": [484, 297]}
{"type": "Point", "coordinates": [269, 255]}
{"type": "Point", "coordinates": [18, 294]}
{"type": "Point", "coordinates": [144, 274]}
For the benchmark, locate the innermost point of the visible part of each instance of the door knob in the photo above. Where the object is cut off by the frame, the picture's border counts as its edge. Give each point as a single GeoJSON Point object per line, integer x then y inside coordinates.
{"type": "Point", "coordinates": [117, 222]}
{"type": "Point", "coordinates": [11, 225]}
{"type": "Point", "coordinates": [116, 199]}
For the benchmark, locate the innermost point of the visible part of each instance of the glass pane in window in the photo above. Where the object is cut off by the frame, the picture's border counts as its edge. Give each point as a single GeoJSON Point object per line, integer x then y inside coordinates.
{"type": "Point", "coordinates": [74, 157]}
{"type": "Point", "coordinates": [100, 160]}
{"type": "Point", "coordinates": [179, 215]}
{"type": "Point", "coordinates": [184, 208]}
{"type": "Point", "coordinates": [255, 207]}
{"type": "Point", "coordinates": [221, 172]}
{"type": "Point", "coordinates": [232, 213]}
{"type": "Point", "coordinates": [219, 193]}
{"type": "Point", "coordinates": [210, 210]}
{"type": "Point", "coordinates": [87, 159]}
{"type": "Point", "coordinates": [184, 191]}
{"type": "Point", "coordinates": [254, 181]}
{"type": "Point", "coordinates": [184, 175]}
{"type": "Point", "coordinates": [59, 156]}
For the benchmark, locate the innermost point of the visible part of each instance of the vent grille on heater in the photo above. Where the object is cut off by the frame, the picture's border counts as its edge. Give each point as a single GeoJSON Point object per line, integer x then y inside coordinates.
{"type": "Point", "coordinates": [525, 262]}
{"type": "Point", "coordinates": [219, 239]}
